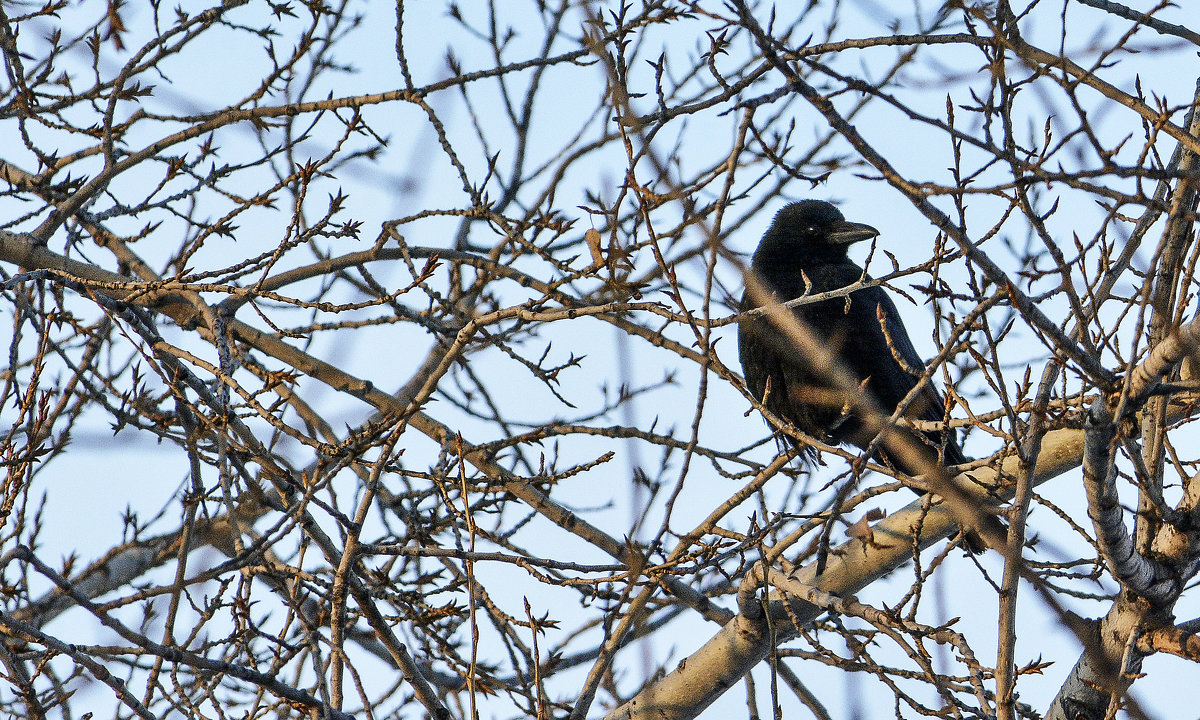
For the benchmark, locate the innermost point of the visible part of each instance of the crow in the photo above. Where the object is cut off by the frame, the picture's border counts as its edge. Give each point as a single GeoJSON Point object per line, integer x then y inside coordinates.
{"type": "Point", "coordinates": [804, 253]}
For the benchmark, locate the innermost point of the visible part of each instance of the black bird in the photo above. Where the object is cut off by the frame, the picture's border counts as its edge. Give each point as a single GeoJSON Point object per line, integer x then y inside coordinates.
{"type": "Point", "coordinates": [804, 253]}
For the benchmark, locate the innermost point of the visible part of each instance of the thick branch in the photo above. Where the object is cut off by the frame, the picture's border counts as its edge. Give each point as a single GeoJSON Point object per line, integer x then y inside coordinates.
{"type": "Point", "coordinates": [1139, 574]}
{"type": "Point", "coordinates": [851, 566]}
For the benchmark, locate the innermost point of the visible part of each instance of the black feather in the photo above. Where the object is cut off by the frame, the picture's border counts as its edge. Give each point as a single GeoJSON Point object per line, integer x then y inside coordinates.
{"type": "Point", "coordinates": [804, 253]}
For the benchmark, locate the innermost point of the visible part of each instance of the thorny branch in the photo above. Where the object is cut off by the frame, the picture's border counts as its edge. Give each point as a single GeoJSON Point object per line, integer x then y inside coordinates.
{"type": "Point", "coordinates": [316, 477]}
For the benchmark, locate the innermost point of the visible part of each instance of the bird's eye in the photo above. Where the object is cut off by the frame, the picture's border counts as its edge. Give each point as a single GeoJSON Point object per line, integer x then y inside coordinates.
{"type": "Point", "coordinates": [810, 229]}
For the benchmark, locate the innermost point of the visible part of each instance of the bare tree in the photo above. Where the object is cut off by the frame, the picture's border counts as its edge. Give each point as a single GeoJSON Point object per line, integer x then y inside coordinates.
{"type": "Point", "coordinates": [405, 339]}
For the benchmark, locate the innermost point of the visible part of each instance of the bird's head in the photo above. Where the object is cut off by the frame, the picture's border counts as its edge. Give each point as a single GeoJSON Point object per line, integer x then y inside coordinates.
{"type": "Point", "coordinates": [811, 230]}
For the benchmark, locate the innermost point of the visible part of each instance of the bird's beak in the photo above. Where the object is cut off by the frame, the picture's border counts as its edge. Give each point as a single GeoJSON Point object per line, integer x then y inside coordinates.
{"type": "Point", "coordinates": [847, 233]}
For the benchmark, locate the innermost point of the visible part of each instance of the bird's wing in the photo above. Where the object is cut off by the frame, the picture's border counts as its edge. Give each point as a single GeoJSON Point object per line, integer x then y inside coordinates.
{"type": "Point", "coordinates": [904, 361]}
{"type": "Point", "coordinates": [777, 377]}
{"type": "Point", "coordinates": [887, 358]}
